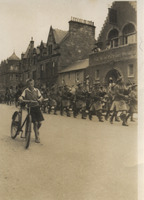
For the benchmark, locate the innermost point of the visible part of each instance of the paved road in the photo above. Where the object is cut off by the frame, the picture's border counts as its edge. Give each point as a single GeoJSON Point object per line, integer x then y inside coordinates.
{"type": "Point", "coordinates": [76, 160]}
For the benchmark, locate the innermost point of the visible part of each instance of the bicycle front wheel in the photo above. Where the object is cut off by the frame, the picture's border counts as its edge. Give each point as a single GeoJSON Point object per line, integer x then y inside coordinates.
{"type": "Point", "coordinates": [27, 132]}
{"type": "Point", "coordinates": [15, 124]}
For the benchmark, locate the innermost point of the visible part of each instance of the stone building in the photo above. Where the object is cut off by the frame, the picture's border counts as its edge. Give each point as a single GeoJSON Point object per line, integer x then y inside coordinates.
{"type": "Point", "coordinates": [44, 62]}
{"type": "Point", "coordinates": [115, 53]}
{"type": "Point", "coordinates": [74, 73]}
{"type": "Point", "coordinates": [28, 62]}
{"type": "Point", "coordinates": [75, 50]}
{"type": "Point", "coordinates": [10, 73]}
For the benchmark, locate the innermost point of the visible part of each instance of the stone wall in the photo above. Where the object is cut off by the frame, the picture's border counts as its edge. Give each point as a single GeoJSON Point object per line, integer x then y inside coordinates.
{"type": "Point", "coordinates": [119, 58]}
{"type": "Point", "coordinates": [78, 44]}
{"type": "Point", "coordinates": [70, 78]}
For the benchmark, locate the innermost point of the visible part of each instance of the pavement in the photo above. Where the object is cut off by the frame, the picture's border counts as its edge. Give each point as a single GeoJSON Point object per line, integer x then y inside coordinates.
{"type": "Point", "coordinates": [76, 160]}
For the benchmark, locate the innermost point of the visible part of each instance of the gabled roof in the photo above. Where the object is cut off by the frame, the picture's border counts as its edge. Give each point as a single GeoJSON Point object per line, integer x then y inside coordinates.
{"type": "Point", "coordinates": [132, 3]}
{"type": "Point", "coordinates": [78, 65]}
{"type": "Point", "coordinates": [29, 49]}
{"type": "Point", "coordinates": [27, 52]}
{"type": "Point", "coordinates": [13, 57]}
{"type": "Point", "coordinates": [59, 35]}
{"type": "Point", "coordinates": [43, 44]}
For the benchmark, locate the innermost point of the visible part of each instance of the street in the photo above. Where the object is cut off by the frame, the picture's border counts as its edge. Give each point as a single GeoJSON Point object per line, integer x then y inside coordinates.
{"type": "Point", "coordinates": [76, 160]}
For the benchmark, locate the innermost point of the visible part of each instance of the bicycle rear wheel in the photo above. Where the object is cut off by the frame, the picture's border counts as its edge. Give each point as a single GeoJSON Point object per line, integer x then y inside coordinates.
{"type": "Point", "coordinates": [27, 132]}
{"type": "Point", "coordinates": [15, 124]}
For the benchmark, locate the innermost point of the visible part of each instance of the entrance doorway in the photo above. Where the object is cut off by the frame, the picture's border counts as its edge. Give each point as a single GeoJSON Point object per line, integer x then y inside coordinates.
{"type": "Point", "coordinates": [114, 74]}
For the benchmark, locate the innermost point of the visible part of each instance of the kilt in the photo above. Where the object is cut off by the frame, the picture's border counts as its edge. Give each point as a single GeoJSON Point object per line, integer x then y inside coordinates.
{"type": "Point", "coordinates": [66, 103]}
{"type": "Point", "coordinates": [36, 114]}
{"type": "Point", "coordinates": [80, 104]}
{"type": "Point", "coordinates": [133, 108]}
{"type": "Point", "coordinates": [96, 106]}
{"type": "Point", "coordinates": [119, 106]}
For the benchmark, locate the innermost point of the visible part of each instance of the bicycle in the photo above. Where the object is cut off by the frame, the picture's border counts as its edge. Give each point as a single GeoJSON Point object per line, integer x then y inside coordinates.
{"type": "Point", "coordinates": [17, 124]}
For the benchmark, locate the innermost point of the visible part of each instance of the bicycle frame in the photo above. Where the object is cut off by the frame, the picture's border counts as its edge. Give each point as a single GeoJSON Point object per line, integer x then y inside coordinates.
{"type": "Point", "coordinates": [18, 124]}
{"type": "Point", "coordinates": [24, 121]}
{"type": "Point", "coordinates": [28, 114]}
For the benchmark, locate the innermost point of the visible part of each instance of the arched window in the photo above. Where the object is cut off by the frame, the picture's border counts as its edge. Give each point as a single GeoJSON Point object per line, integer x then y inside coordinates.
{"type": "Point", "coordinates": [113, 38]}
{"type": "Point", "coordinates": [129, 34]}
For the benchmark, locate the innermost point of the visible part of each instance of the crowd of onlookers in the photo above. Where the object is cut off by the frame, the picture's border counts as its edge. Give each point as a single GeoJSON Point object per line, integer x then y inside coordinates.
{"type": "Point", "coordinates": [114, 101]}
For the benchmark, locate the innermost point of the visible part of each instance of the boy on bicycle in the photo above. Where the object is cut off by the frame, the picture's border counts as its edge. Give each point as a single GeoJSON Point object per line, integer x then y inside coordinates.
{"type": "Point", "coordinates": [33, 94]}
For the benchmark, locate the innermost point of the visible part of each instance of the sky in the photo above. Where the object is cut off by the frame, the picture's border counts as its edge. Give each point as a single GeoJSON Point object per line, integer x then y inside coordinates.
{"type": "Point", "coordinates": [20, 20]}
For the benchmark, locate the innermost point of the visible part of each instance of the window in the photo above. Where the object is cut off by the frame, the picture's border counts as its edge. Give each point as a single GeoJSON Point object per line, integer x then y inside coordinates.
{"type": "Point", "coordinates": [50, 49]}
{"type": "Point", "coordinates": [41, 71]}
{"type": "Point", "coordinates": [42, 68]}
{"type": "Point", "coordinates": [130, 70]}
{"type": "Point", "coordinates": [129, 34]}
{"type": "Point", "coordinates": [12, 77]}
{"type": "Point", "coordinates": [16, 77]}
{"type": "Point", "coordinates": [11, 67]}
{"type": "Point", "coordinates": [77, 76]}
{"type": "Point", "coordinates": [114, 42]}
{"type": "Point", "coordinates": [97, 74]}
{"type": "Point", "coordinates": [63, 78]}
{"type": "Point", "coordinates": [52, 68]}
{"type": "Point", "coordinates": [69, 75]}
{"type": "Point", "coordinates": [34, 75]}
{"type": "Point", "coordinates": [130, 39]}
{"type": "Point", "coordinates": [28, 74]}
{"type": "Point", "coordinates": [53, 64]}
{"type": "Point", "coordinates": [113, 38]}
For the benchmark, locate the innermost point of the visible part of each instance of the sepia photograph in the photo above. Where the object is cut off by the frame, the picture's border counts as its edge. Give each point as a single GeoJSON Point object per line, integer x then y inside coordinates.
{"type": "Point", "coordinates": [71, 100]}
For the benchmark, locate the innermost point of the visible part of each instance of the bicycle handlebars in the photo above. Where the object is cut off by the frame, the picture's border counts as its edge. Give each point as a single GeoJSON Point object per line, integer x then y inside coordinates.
{"type": "Point", "coordinates": [28, 101]}
{"type": "Point", "coordinates": [31, 101]}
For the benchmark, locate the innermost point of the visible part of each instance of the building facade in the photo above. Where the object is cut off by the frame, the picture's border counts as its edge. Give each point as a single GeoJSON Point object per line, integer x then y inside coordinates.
{"type": "Point", "coordinates": [115, 53]}
{"type": "Point", "coordinates": [28, 62]}
{"type": "Point", "coordinates": [10, 73]}
{"type": "Point", "coordinates": [63, 48]}
{"type": "Point", "coordinates": [74, 73]}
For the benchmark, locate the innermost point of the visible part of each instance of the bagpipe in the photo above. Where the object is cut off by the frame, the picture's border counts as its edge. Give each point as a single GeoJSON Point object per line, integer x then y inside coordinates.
{"type": "Point", "coordinates": [81, 95]}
